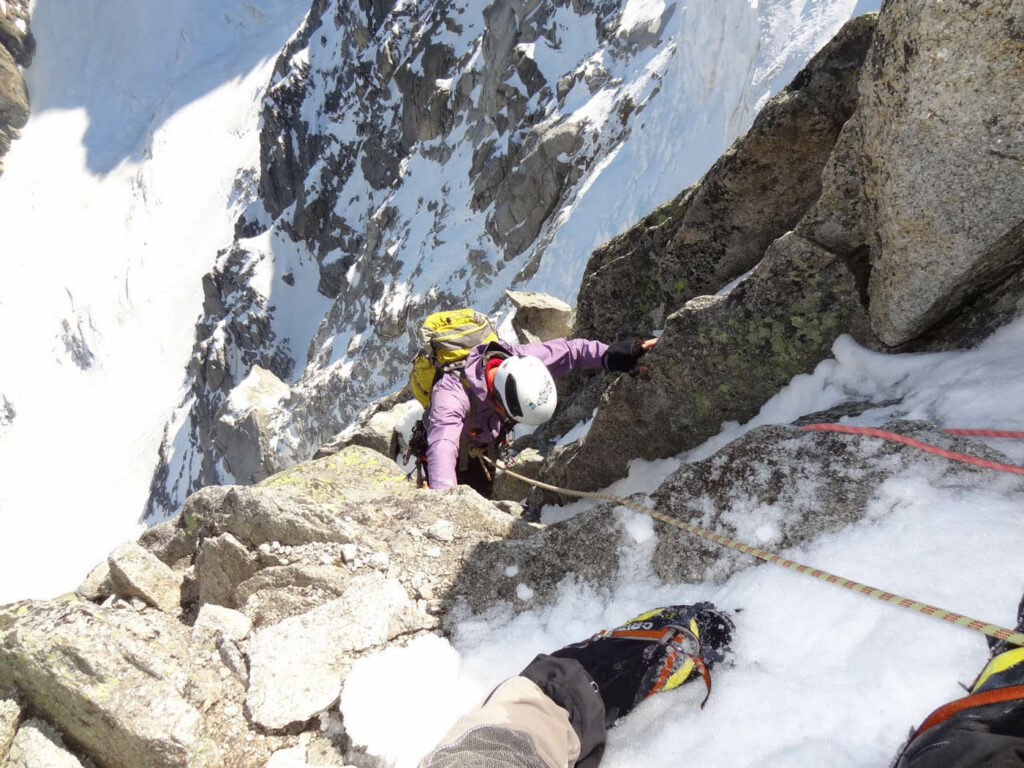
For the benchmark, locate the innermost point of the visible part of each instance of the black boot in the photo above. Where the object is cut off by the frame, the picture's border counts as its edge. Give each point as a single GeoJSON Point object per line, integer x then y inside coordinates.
{"type": "Point", "coordinates": [655, 651]}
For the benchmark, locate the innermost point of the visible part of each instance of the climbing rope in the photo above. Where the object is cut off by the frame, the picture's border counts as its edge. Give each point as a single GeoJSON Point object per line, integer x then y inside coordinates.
{"type": "Point", "coordinates": [992, 630]}
{"type": "Point", "coordinates": [945, 453]}
{"type": "Point", "coordinates": [985, 433]}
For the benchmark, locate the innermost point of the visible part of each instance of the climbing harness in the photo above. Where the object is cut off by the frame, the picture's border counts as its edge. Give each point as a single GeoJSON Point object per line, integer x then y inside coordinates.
{"type": "Point", "coordinates": [928, 447]}
{"type": "Point", "coordinates": [984, 627]}
{"type": "Point", "coordinates": [417, 449]}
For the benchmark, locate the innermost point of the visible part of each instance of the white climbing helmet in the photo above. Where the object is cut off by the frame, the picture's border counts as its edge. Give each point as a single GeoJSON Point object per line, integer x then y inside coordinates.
{"type": "Point", "coordinates": [525, 389]}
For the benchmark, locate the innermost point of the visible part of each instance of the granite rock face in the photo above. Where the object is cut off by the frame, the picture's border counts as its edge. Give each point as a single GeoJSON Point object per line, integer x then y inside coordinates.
{"type": "Point", "coordinates": [928, 173]}
{"type": "Point", "coordinates": [110, 679]}
{"type": "Point", "coordinates": [925, 230]}
{"type": "Point", "coordinates": [317, 648]}
{"type": "Point", "coordinates": [775, 487]}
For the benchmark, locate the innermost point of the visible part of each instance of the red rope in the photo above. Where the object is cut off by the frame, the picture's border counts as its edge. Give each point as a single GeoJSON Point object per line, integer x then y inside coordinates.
{"type": "Point", "coordinates": [945, 453]}
{"type": "Point", "coordinates": [985, 433]}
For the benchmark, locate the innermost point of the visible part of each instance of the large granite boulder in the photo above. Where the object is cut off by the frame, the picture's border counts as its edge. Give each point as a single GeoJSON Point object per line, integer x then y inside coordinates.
{"type": "Point", "coordinates": [297, 664]}
{"type": "Point", "coordinates": [135, 572]}
{"type": "Point", "coordinates": [243, 435]}
{"type": "Point", "coordinates": [719, 228]}
{"type": "Point", "coordinates": [928, 173]}
{"type": "Point", "coordinates": [540, 317]}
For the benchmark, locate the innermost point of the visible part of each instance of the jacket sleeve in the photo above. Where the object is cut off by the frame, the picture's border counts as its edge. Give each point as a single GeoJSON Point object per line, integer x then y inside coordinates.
{"type": "Point", "coordinates": [563, 355]}
{"type": "Point", "coordinates": [449, 405]}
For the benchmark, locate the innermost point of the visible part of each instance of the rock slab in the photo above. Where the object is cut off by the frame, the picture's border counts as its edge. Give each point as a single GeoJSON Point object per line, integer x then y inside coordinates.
{"type": "Point", "coordinates": [134, 572]}
{"type": "Point", "coordinates": [108, 678]}
{"type": "Point", "coordinates": [38, 745]}
{"type": "Point", "coordinates": [297, 666]}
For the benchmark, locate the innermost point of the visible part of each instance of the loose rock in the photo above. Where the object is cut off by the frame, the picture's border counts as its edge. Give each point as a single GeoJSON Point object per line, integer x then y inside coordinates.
{"type": "Point", "coordinates": [134, 572]}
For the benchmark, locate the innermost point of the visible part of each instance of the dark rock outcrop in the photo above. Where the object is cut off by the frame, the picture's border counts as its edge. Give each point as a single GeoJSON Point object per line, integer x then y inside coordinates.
{"type": "Point", "coordinates": [15, 32]}
{"type": "Point", "coordinates": [719, 359]}
{"type": "Point", "coordinates": [719, 228]}
{"type": "Point", "coordinates": [17, 47]}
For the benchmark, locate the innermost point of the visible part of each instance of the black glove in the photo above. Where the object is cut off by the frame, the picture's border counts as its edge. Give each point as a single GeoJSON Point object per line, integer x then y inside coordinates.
{"type": "Point", "coordinates": [622, 355]}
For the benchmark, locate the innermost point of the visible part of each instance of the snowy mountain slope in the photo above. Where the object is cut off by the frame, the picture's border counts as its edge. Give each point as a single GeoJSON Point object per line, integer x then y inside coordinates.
{"type": "Point", "coordinates": [441, 153]}
{"type": "Point", "coordinates": [115, 200]}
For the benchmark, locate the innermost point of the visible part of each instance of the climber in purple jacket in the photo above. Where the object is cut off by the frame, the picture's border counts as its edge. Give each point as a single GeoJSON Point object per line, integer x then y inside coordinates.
{"type": "Point", "coordinates": [502, 384]}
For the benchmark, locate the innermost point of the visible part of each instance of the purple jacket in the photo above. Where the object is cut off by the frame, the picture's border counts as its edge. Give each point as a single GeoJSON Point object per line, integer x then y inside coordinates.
{"type": "Point", "coordinates": [452, 419]}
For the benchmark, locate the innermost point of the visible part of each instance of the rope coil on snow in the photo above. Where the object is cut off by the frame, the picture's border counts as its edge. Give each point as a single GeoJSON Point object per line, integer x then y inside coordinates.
{"type": "Point", "coordinates": [984, 627]}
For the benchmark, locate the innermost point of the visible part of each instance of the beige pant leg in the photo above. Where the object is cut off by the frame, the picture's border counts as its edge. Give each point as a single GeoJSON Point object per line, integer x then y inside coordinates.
{"type": "Point", "coordinates": [519, 704]}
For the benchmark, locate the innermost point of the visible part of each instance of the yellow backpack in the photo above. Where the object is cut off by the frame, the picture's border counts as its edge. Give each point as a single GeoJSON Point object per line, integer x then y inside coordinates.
{"type": "Point", "coordinates": [446, 337]}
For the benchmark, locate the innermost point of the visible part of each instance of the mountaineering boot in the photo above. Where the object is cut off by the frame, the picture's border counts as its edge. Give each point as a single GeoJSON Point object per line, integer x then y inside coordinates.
{"type": "Point", "coordinates": [1006, 666]}
{"type": "Point", "coordinates": [995, 647]}
{"type": "Point", "coordinates": [984, 728]}
{"type": "Point", "coordinates": [655, 651]}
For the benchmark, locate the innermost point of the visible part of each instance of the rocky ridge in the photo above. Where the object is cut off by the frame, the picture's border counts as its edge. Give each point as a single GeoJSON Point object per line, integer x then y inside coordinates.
{"type": "Point", "coordinates": [813, 188]}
